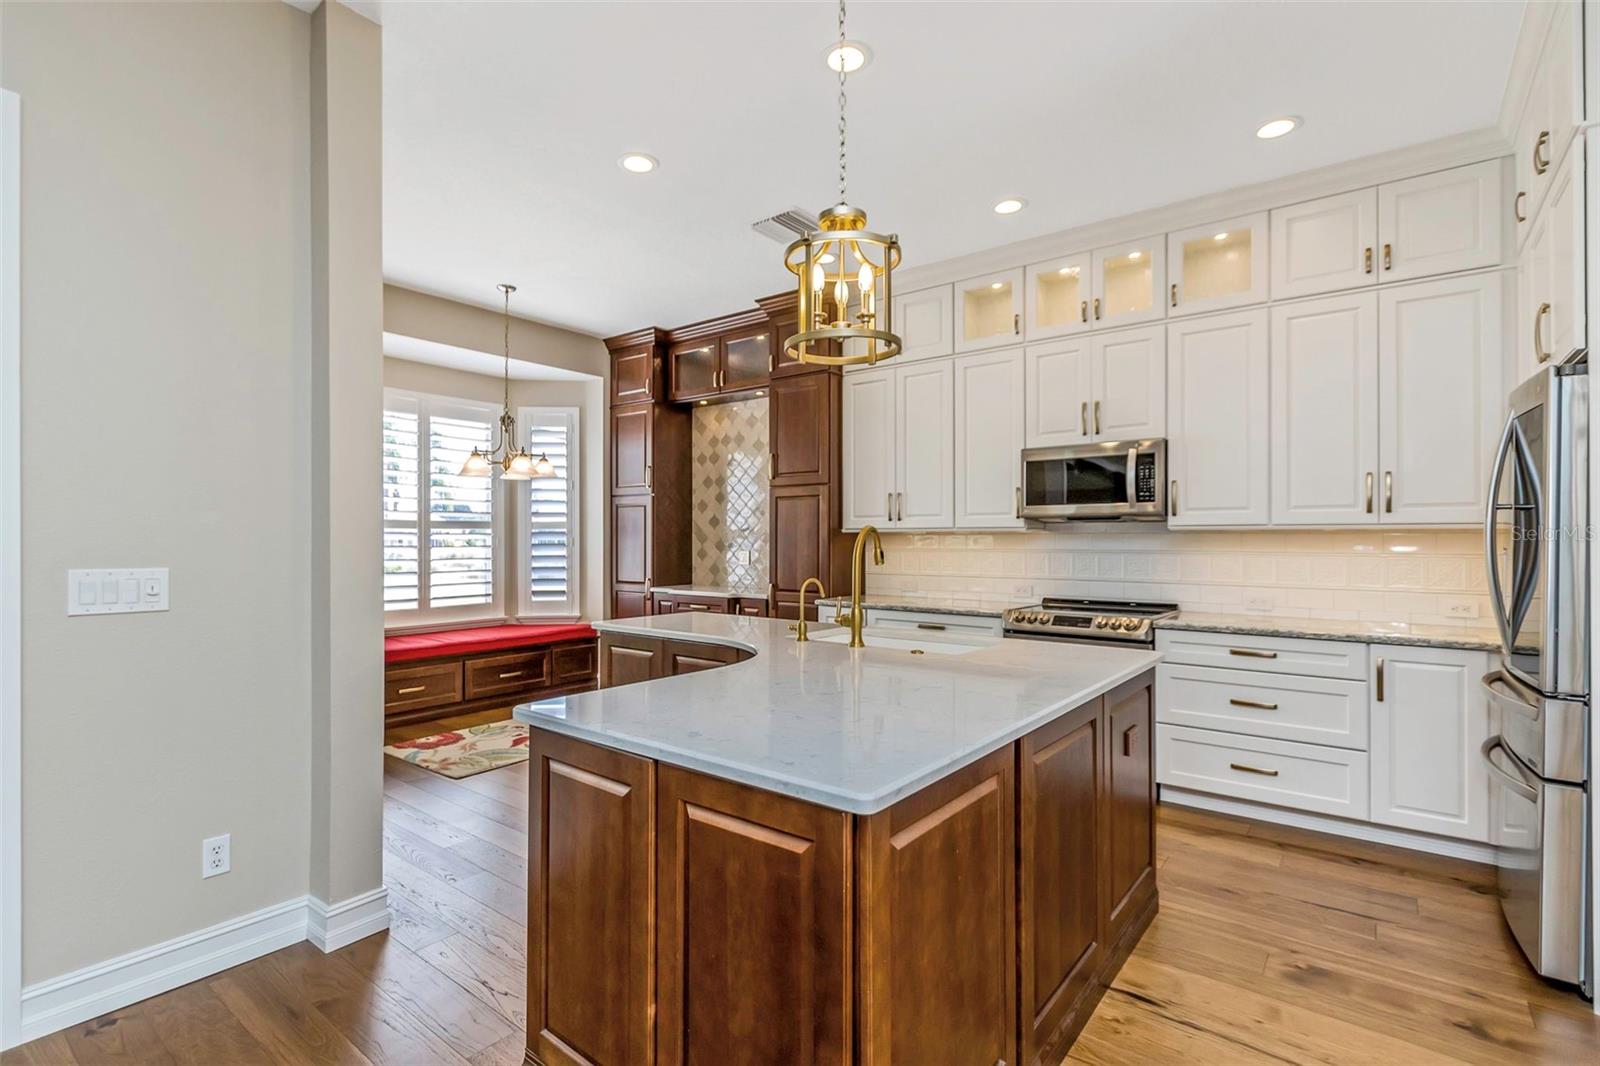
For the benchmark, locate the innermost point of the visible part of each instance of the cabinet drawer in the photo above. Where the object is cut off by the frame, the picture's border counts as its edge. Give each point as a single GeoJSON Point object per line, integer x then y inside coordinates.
{"type": "Point", "coordinates": [1308, 777]}
{"type": "Point", "coordinates": [684, 605]}
{"type": "Point", "coordinates": [751, 607]}
{"type": "Point", "coordinates": [935, 621]}
{"type": "Point", "coordinates": [507, 673]}
{"type": "Point", "coordinates": [407, 688]}
{"type": "Point", "coordinates": [1273, 655]}
{"type": "Point", "coordinates": [1315, 710]}
{"type": "Point", "coordinates": [571, 664]}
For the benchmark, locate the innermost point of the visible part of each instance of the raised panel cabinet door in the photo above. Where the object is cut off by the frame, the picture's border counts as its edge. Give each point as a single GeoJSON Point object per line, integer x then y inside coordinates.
{"type": "Point", "coordinates": [936, 922]}
{"type": "Point", "coordinates": [626, 659]}
{"type": "Point", "coordinates": [632, 447]}
{"type": "Point", "coordinates": [1430, 719]}
{"type": "Point", "coordinates": [924, 419]}
{"type": "Point", "coordinates": [925, 321]}
{"type": "Point", "coordinates": [591, 905]}
{"type": "Point", "coordinates": [753, 926]}
{"type": "Point", "coordinates": [988, 311]}
{"type": "Point", "coordinates": [630, 602]}
{"type": "Point", "coordinates": [1325, 411]}
{"type": "Point", "coordinates": [1562, 329]}
{"type": "Point", "coordinates": [1058, 296]}
{"type": "Point", "coordinates": [694, 367]}
{"type": "Point", "coordinates": [633, 374]}
{"type": "Point", "coordinates": [801, 531]}
{"type": "Point", "coordinates": [869, 448]}
{"type": "Point", "coordinates": [1130, 384]}
{"type": "Point", "coordinates": [746, 359]}
{"type": "Point", "coordinates": [802, 413]}
{"type": "Point", "coordinates": [1130, 283]}
{"type": "Point", "coordinates": [1441, 223]}
{"type": "Point", "coordinates": [1058, 391]}
{"type": "Point", "coordinates": [1441, 352]}
{"type": "Point", "coordinates": [1217, 266]}
{"type": "Point", "coordinates": [687, 657]}
{"type": "Point", "coordinates": [1130, 841]}
{"type": "Point", "coordinates": [1218, 424]}
{"type": "Point", "coordinates": [1061, 820]}
{"type": "Point", "coordinates": [631, 521]}
{"type": "Point", "coordinates": [1325, 245]}
{"type": "Point", "coordinates": [988, 397]}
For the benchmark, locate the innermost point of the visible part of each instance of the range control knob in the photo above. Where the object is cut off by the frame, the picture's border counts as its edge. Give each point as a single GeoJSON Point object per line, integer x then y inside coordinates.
{"type": "Point", "coordinates": [1099, 623]}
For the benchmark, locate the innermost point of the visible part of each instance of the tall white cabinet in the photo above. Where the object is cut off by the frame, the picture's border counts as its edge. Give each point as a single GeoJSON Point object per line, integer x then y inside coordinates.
{"type": "Point", "coordinates": [1218, 429]}
{"type": "Point", "coordinates": [899, 431]}
{"type": "Point", "coordinates": [989, 439]}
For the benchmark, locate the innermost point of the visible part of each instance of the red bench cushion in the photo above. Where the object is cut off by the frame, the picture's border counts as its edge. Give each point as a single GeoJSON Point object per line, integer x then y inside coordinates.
{"type": "Point", "coordinates": [484, 638]}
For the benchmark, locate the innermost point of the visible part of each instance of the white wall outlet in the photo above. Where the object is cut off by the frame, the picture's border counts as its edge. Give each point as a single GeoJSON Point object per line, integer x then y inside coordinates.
{"type": "Point", "coordinates": [743, 555]}
{"type": "Point", "coordinates": [1458, 608]}
{"type": "Point", "coordinates": [215, 855]}
{"type": "Point", "coordinates": [116, 591]}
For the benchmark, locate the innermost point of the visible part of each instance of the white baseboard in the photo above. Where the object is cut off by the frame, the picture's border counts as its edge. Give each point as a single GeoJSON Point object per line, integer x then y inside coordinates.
{"type": "Point", "coordinates": [332, 926]}
{"type": "Point", "coordinates": [52, 1005]}
{"type": "Point", "coordinates": [1322, 823]}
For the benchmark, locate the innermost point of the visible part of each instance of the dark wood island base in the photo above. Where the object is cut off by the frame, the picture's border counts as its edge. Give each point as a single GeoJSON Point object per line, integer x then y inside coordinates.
{"type": "Point", "coordinates": [677, 917]}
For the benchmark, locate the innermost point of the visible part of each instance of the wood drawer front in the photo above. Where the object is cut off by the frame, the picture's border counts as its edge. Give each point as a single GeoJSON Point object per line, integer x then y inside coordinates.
{"type": "Point", "coordinates": [752, 608]}
{"type": "Point", "coordinates": [1315, 710]}
{"type": "Point", "coordinates": [1307, 777]}
{"type": "Point", "coordinates": [575, 662]}
{"type": "Point", "coordinates": [494, 674]}
{"type": "Point", "coordinates": [704, 605]}
{"type": "Point", "coordinates": [407, 688]}
{"type": "Point", "coordinates": [1275, 655]}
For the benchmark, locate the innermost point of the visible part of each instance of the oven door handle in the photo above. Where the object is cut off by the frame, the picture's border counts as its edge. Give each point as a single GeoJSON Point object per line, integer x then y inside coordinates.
{"type": "Point", "coordinates": [1133, 471]}
{"type": "Point", "coordinates": [1512, 778]}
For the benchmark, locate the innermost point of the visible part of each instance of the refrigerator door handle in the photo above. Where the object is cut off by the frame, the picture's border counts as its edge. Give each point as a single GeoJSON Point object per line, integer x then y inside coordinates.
{"type": "Point", "coordinates": [1496, 592]}
{"type": "Point", "coordinates": [1512, 778]}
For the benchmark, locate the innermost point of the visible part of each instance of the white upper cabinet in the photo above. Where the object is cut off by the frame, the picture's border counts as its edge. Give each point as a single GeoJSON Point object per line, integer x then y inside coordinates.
{"type": "Point", "coordinates": [925, 322]}
{"type": "Point", "coordinates": [989, 438]}
{"type": "Point", "coordinates": [869, 447]}
{"type": "Point", "coordinates": [1058, 388]}
{"type": "Point", "coordinates": [1058, 296]}
{"type": "Point", "coordinates": [924, 446]}
{"type": "Point", "coordinates": [1551, 113]}
{"type": "Point", "coordinates": [1218, 428]}
{"type": "Point", "coordinates": [1325, 245]}
{"type": "Point", "coordinates": [1325, 411]}
{"type": "Point", "coordinates": [1429, 721]}
{"type": "Point", "coordinates": [1128, 371]}
{"type": "Point", "coordinates": [1217, 266]}
{"type": "Point", "coordinates": [988, 311]}
{"type": "Point", "coordinates": [1551, 313]}
{"type": "Point", "coordinates": [1440, 368]}
{"type": "Point", "coordinates": [1129, 283]}
{"type": "Point", "coordinates": [1441, 223]}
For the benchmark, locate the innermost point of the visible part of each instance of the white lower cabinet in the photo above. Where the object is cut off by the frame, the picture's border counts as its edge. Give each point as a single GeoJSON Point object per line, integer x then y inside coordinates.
{"type": "Point", "coordinates": [1218, 427]}
{"type": "Point", "coordinates": [989, 439]}
{"type": "Point", "coordinates": [1307, 777]}
{"type": "Point", "coordinates": [1429, 720]}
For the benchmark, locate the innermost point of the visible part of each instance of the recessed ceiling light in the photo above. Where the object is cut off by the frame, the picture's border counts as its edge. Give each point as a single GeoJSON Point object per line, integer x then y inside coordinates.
{"type": "Point", "coordinates": [997, 285]}
{"type": "Point", "coordinates": [638, 163]}
{"type": "Point", "coordinates": [1009, 207]}
{"type": "Point", "coordinates": [1277, 127]}
{"type": "Point", "coordinates": [1220, 237]}
{"type": "Point", "coordinates": [1067, 270]}
{"type": "Point", "coordinates": [852, 54]}
{"type": "Point", "coordinates": [1134, 255]}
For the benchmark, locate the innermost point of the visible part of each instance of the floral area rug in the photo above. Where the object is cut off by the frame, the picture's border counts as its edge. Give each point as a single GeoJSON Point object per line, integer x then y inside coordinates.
{"type": "Point", "coordinates": [465, 752]}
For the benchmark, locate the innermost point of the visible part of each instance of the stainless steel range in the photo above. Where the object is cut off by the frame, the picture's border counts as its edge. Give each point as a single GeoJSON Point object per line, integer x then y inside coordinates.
{"type": "Point", "coordinates": [1088, 621]}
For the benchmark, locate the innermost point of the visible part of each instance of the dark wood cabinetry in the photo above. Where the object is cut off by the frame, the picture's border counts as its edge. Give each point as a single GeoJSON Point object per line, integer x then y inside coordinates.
{"type": "Point", "coordinates": [423, 689]}
{"type": "Point", "coordinates": [627, 658]}
{"type": "Point", "coordinates": [636, 372]}
{"type": "Point", "coordinates": [667, 602]}
{"type": "Point", "coordinates": [1130, 799]}
{"type": "Point", "coordinates": [726, 358]}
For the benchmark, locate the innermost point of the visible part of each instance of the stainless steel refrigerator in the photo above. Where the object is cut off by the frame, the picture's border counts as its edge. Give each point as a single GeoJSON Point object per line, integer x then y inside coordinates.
{"type": "Point", "coordinates": [1537, 539]}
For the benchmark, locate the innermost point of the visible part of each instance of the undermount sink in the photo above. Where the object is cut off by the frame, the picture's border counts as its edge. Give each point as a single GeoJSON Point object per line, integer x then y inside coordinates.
{"type": "Point", "coordinates": [885, 642]}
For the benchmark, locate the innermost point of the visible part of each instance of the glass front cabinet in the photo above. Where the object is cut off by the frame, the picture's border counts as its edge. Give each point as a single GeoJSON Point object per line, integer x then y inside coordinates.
{"type": "Point", "coordinates": [989, 311]}
{"type": "Point", "coordinates": [1217, 266]}
{"type": "Point", "coordinates": [1129, 283]}
{"type": "Point", "coordinates": [1058, 296]}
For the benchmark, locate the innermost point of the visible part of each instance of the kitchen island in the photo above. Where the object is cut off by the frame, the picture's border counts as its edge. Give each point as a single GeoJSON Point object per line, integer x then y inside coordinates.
{"type": "Point", "coordinates": [749, 849]}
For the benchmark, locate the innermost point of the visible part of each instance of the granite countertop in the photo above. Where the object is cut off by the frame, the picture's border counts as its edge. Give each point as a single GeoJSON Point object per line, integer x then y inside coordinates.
{"type": "Point", "coordinates": [850, 729]}
{"type": "Point", "coordinates": [953, 603]}
{"type": "Point", "coordinates": [715, 591]}
{"type": "Point", "coordinates": [1468, 638]}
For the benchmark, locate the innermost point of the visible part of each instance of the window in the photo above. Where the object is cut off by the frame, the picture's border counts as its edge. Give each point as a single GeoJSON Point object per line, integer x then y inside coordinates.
{"type": "Point", "coordinates": [440, 551]}
{"type": "Point", "coordinates": [548, 530]}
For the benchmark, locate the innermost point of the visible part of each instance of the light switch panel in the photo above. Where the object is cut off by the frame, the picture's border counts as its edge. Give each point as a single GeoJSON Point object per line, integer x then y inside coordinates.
{"type": "Point", "coordinates": [116, 591]}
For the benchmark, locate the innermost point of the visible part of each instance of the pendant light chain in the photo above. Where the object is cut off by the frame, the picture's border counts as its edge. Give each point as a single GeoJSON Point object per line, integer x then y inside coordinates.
{"type": "Point", "coordinates": [507, 289]}
{"type": "Point", "coordinates": [842, 102]}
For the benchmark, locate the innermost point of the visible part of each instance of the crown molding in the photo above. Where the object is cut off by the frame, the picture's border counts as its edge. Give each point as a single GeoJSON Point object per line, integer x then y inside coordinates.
{"type": "Point", "coordinates": [636, 338]}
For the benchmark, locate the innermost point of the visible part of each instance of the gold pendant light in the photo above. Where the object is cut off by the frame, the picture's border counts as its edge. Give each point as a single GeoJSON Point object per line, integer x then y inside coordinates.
{"type": "Point", "coordinates": [845, 276]}
{"type": "Point", "coordinates": [513, 460]}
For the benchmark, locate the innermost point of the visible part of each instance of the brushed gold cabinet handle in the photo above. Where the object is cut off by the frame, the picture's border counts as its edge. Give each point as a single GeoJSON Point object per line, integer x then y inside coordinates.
{"type": "Point", "coordinates": [1174, 294]}
{"type": "Point", "coordinates": [1097, 308]}
{"type": "Point", "coordinates": [1256, 704]}
{"type": "Point", "coordinates": [1172, 504]}
{"type": "Point", "coordinates": [649, 383]}
{"type": "Point", "coordinates": [1019, 502]}
{"type": "Point", "coordinates": [1388, 257]}
{"type": "Point", "coordinates": [1016, 325]}
{"type": "Point", "coordinates": [1516, 207]}
{"type": "Point", "coordinates": [899, 507]}
{"type": "Point", "coordinates": [1538, 339]}
{"type": "Point", "coordinates": [649, 475]}
{"type": "Point", "coordinates": [1369, 492]}
{"type": "Point", "coordinates": [930, 625]}
{"type": "Point", "coordinates": [1253, 769]}
{"type": "Point", "coordinates": [696, 607]}
{"type": "Point", "coordinates": [1541, 162]}
{"type": "Point", "coordinates": [1367, 260]}
{"type": "Point", "coordinates": [1388, 492]}
{"type": "Point", "coordinates": [1097, 418]}
{"type": "Point", "coordinates": [1253, 653]}
{"type": "Point", "coordinates": [409, 689]}
{"type": "Point", "coordinates": [772, 465]}
{"type": "Point", "coordinates": [511, 673]}
{"type": "Point", "coordinates": [1083, 417]}
{"type": "Point", "coordinates": [1083, 310]}
{"type": "Point", "coordinates": [1380, 680]}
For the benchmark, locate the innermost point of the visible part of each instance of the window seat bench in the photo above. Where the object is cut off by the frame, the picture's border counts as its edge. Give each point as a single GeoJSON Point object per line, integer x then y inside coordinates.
{"type": "Point", "coordinates": [458, 671]}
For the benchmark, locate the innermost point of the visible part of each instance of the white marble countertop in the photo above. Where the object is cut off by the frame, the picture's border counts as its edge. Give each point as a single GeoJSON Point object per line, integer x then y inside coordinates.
{"type": "Point", "coordinates": [850, 729]}
{"type": "Point", "coordinates": [715, 591]}
{"type": "Point", "coordinates": [1469, 638]}
{"type": "Point", "coordinates": [937, 603]}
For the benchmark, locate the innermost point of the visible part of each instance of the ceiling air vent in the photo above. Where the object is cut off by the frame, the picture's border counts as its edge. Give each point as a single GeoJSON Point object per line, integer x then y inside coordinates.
{"type": "Point", "coordinates": [785, 226]}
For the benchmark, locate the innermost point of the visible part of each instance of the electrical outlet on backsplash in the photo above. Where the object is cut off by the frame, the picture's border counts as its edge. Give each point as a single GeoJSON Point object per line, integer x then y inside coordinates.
{"type": "Point", "coordinates": [1418, 576]}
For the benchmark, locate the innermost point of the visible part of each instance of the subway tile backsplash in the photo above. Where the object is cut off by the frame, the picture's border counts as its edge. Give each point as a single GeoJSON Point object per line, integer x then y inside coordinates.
{"type": "Point", "coordinates": [1379, 576]}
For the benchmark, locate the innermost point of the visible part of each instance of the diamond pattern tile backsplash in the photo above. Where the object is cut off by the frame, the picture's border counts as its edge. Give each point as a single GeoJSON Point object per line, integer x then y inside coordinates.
{"type": "Point", "coordinates": [730, 495]}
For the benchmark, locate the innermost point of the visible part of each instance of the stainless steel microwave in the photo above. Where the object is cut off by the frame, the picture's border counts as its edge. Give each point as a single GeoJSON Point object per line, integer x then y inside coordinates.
{"type": "Point", "coordinates": [1100, 482]}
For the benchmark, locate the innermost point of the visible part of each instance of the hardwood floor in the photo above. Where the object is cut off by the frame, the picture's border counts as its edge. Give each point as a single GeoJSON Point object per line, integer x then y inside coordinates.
{"type": "Point", "coordinates": [1272, 945]}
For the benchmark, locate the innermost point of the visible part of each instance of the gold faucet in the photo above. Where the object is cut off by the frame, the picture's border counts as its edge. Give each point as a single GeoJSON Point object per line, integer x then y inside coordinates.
{"type": "Point", "coordinates": [858, 566]}
{"type": "Point", "coordinates": [800, 630]}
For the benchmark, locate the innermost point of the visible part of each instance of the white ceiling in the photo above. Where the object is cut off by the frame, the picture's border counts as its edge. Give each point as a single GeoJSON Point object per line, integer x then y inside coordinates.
{"type": "Point", "coordinates": [503, 123]}
{"type": "Point", "coordinates": [417, 350]}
